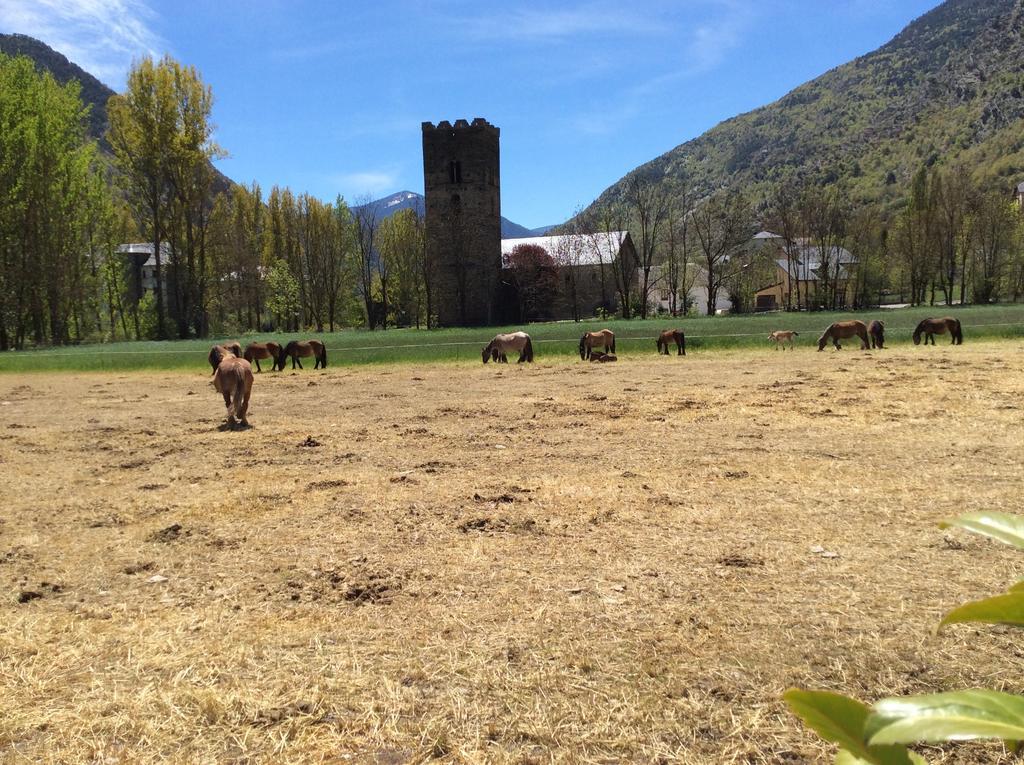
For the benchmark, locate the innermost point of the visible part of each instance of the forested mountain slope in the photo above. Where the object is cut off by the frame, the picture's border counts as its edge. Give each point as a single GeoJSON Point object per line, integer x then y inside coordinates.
{"type": "Point", "coordinates": [948, 88]}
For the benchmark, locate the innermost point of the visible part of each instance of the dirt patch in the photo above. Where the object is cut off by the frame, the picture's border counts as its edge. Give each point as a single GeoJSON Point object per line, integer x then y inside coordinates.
{"type": "Point", "coordinates": [169, 534]}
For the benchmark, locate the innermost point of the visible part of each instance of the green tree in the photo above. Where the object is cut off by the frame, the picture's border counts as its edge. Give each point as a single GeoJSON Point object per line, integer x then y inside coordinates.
{"type": "Point", "coordinates": [401, 245]}
{"type": "Point", "coordinates": [282, 291]}
{"type": "Point", "coordinates": [46, 163]}
{"type": "Point", "coordinates": [161, 135]}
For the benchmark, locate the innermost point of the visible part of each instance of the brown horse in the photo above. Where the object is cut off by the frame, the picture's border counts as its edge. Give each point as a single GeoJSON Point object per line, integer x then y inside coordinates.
{"type": "Point", "coordinates": [502, 344]}
{"type": "Point", "coordinates": [303, 348]}
{"type": "Point", "coordinates": [604, 338]}
{"type": "Point", "coordinates": [842, 330]}
{"type": "Point", "coordinates": [603, 358]}
{"type": "Point", "coordinates": [672, 336]}
{"type": "Point", "coordinates": [877, 331]}
{"type": "Point", "coordinates": [233, 380]}
{"type": "Point", "coordinates": [218, 352]}
{"type": "Point", "coordinates": [781, 337]}
{"type": "Point", "coordinates": [257, 351]}
{"type": "Point", "coordinates": [932, 327]}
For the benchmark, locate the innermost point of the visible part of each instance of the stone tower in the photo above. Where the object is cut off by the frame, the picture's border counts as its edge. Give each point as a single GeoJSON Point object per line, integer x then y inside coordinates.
{"type": "Point", "coordinates": [462, 185]}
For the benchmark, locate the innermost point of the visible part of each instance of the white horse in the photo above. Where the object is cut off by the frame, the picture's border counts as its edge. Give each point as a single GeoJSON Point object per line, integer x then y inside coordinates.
{"type": "Point", "coordinates": [503, 344]}
{"type": "Point", "coordinates": [780, 338]}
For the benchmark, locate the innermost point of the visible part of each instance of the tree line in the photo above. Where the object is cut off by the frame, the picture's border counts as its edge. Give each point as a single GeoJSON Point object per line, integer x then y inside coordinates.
{"type": "Point", "coordinates": [228, 260]}
{"type": "Point", "coordinates": [952, 241]}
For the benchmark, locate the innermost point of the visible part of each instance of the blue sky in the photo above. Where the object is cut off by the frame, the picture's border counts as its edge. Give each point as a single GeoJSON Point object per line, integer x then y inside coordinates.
{"type": "Point", "coordinates": [328, 97]}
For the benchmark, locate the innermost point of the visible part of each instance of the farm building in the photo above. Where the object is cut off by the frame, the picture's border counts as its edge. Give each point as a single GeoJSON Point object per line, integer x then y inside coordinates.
{"type": "Point", "coordinates": [803, 274]}
{"type": "Point", "coordinates": [142, 267]}
{"type": "Point", "coordinates": [583, 266]}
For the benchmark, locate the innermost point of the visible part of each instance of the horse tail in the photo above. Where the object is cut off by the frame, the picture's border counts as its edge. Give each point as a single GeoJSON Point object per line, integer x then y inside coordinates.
{"type": "Point", "coordinates": [682, 343]}
{"type": "Point", "coordinates": [528, 350]}
{"type": "Point", "coordinates": [583, 341]}
{"type": "Point", "coordinates": [613, 343]}
{"type": "Point", "coordinates": [238, 393]}
{"type": "Point", "coordinates": [795, 334]}
{"type": "Point", "coordinates": [958, 333]}
{"type": "Point", "coordinates": [323, 356]}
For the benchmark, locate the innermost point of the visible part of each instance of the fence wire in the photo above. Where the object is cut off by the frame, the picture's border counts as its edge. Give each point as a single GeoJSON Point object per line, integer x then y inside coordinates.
{"type": "Point", "coordinates": [450, 344]}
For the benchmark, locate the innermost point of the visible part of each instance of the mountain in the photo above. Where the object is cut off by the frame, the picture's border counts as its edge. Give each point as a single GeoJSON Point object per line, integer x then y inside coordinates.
{"type": "Point", "coordinates": [387, 206]}
{"type": "Point", "coordinates": [94, 92]}
{"type": "Point", "coordinates": [948, 88]}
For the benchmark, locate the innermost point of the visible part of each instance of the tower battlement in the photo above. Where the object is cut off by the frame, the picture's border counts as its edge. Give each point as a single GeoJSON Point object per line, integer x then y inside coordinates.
{"type": "Point", "coordinates": [460, 124]}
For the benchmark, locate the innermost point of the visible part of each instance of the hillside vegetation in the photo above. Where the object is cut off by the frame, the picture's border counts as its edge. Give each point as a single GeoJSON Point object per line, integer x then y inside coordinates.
{"type": "Point", "coordinates": [948, 88]}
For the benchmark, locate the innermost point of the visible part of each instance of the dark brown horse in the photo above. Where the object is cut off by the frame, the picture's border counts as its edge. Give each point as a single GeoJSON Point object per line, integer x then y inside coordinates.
{"type": "Point", "coordinates": [219, 352]}
{"type": "Point", "coordinates": [257, 351]}
{"type": "Point", "coordinates": [877, 331]}
{"type": "Point", "coordinates": [842, 330]}
{"type": "Point", "coordinates": [932, 327]}
{"type": "Point", "coordinates": [672, 336]}
{"type": "Point", "coordinates": [603, 338]}
{"type": "Point", "coordinates": [233, 380]}
{"type": "Point", "coordinates": [603, 358]}
{"type": "Point", "coordinates": [303, 348]}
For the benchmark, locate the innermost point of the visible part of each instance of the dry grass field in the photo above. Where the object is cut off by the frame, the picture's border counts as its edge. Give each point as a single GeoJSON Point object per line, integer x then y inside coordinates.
{"type": "Point", "coordinates": [565, 562]}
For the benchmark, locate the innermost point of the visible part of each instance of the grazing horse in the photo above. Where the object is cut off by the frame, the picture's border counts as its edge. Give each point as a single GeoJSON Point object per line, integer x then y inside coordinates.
{"type": "Point", "coordinates": [842, 330]}
{"type": "Point", "coordinates": [264, 351]}
{"type": "Point", "coordinates": [303, 348]}
{"type": "Point", "coordinates": [233, 380]}
{"type": "Point", "coordinates": [604, 338]}
{"type": "Point", "coordinates": [781, 337]}
{"type": "Point", "coordinates": [932, 327]}
{"type": "Point", "coordinates": [877, 331]}
{"type": "Point", "coordinates": [671, 336]}
{"type": "Point", "coordinates": [502, 344]}
{"type": "Point", "coordinates": [219, 352]}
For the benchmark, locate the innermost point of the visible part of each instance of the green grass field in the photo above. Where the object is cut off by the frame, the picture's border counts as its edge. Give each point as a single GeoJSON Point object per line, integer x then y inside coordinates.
{"type": "Point", "coordinates": [550, 339]}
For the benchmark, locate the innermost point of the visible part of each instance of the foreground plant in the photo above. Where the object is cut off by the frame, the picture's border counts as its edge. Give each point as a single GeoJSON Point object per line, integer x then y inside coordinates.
{"type": "Point", "coordinates": [879, 735]}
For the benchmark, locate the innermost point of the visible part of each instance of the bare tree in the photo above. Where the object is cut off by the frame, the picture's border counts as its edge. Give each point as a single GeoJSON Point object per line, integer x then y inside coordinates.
{"type": "Point", "coordinates": [679, 272]}
{"type": "Point", "coordinates": [365, 215]}
{"type": "Point", "coordinates": [648, 205]}
{"type": "Point", "coordinates": [996, 233]}
{"type": "Point", "coordinates": [951, 196]}
{"type": "Point", "coordinates": [785, 209]}
{"type": "Point", "coordinates": [722, 224]}
{"type": "Point", "coordinates": [608, 233]}
{"type": "Point", "coordinates": [823, 212]}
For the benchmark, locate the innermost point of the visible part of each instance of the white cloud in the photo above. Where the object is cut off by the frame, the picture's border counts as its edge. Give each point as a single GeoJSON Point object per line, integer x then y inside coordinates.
{"type": "Point", "coordinates": [706, 47]}
{"type": "Point", "coordinates": [549, 24]}
{"type": "Point", "coordinates": [373, 182]}
{"type": "Point", "coordinates": [101, 36]}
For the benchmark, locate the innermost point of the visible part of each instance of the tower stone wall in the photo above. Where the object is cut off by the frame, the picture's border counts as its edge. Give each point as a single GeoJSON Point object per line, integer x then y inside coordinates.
{"type": "Point", "coordinates": [462, 186]}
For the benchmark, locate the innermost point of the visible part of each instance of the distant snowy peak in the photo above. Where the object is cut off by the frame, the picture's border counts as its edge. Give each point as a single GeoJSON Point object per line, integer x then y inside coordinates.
{"type": "Point", "coordinates": [387, 206]}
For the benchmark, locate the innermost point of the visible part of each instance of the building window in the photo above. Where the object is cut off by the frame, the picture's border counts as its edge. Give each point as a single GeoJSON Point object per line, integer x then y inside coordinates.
{"type": "Point", "coordinates": [455, 171]}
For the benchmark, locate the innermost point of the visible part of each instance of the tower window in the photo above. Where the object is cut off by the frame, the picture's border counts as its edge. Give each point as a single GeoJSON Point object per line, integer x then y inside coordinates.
{"type": "Point", "coordinates": [455, 171]}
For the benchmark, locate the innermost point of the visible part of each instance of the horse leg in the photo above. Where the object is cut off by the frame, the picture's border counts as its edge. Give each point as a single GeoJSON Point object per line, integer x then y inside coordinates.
{"type": "Point", "coordinates": [258, 366]}
{"type": "Point", "coordinates": [679, 349]}
{"type": "Point", "coordinates": [298, 360]}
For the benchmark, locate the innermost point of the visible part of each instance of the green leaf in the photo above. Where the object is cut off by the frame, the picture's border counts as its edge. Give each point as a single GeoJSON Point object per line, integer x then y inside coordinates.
{"type": "Point", "coordinates": [1005, 527]}
{"type": "Point", "coordinates": [841, 720]}
{"type": "Point", "coordinates": [843, 757]}
{"type": "Point", "coordinates": [1001, 609]}
{"type": "Point", "coordinates": [956, 716]}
